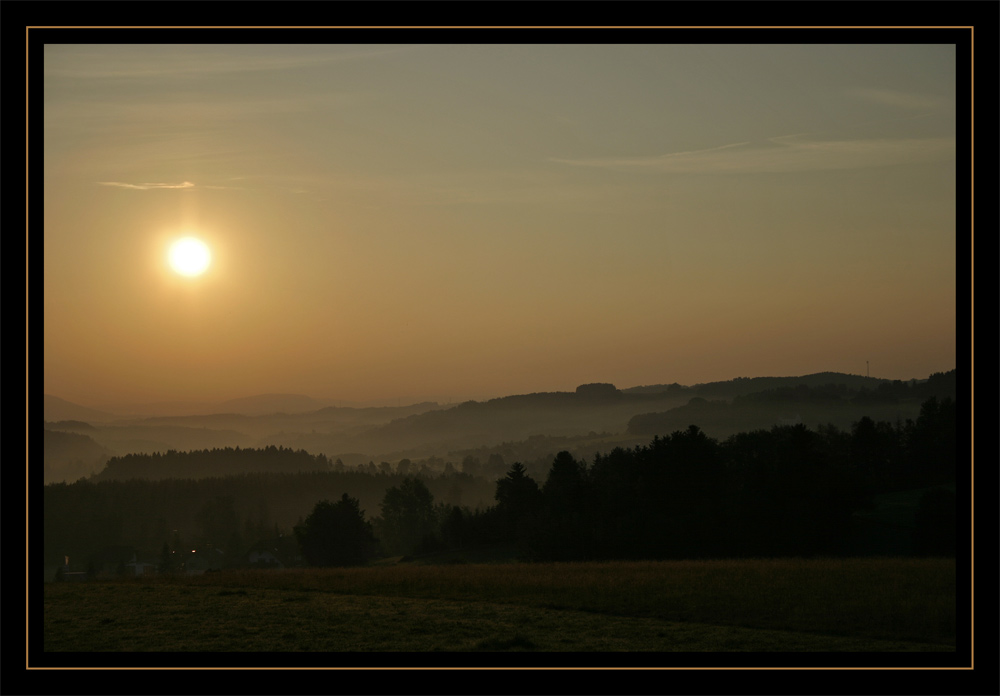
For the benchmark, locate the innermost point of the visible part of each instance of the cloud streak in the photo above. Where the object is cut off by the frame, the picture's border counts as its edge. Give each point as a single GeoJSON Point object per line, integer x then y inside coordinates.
{"type": "Point", "coordinates": [793, 153]}
{"type": "Point", "coordinates": [147, 187]}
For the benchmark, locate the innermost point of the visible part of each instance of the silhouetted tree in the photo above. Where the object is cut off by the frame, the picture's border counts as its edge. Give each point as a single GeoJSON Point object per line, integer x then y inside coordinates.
{"type": "Point", "coordinates": [934, 441]}
{"type": "Point", "coordinates": [622, 518]}
{"type": "Point", "coordinates": [682, 494]}
{"type": "Point", "coordinates": [517, 499]}
{"type": "Point", "coordinates": [566, 483]}
{"type": "Point", "coordinates": [408, 517]}
{"type": "Point", "coordinates": [454, 528]}
{"type": "Point", "coordinates": [336, 534]}
{"type": "Point", "coordinates": [566, 517]}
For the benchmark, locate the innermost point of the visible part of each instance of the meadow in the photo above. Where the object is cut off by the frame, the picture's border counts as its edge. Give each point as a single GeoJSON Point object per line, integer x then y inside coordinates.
{"type": "Point", "coordinates": [782, 605]}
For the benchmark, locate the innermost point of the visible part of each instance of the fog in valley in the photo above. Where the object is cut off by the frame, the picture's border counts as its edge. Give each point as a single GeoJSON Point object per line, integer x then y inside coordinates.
{"type": "Point", "coordinates": [531, 428]}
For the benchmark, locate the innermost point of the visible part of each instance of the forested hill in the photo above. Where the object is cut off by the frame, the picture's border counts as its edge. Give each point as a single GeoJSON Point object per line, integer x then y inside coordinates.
{"type": "Point", "coordinates": [604, 408]}
{"type": "Point", "coordinates": [838, 404]}
{"type": "Point", "coordinates": [747, 385]}
{"type": "Point", "coordinates": [68, 456]}
{"type": "Point", "coordinates": [429, 429]}
{"type": "Point", "coordinates": [592, 407]}
{"type": "Point", "coordinates": [215, 462]}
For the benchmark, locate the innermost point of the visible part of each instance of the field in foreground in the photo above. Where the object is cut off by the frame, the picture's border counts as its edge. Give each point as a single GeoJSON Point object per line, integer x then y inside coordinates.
{"type": "Point", "coordinates": [843, 605]}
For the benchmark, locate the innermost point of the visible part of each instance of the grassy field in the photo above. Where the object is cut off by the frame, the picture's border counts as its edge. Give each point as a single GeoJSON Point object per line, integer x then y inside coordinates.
{"type": "Point", "coordinates": [867, 605]}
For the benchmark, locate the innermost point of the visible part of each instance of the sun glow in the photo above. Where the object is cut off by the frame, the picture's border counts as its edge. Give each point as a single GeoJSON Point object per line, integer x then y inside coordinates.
{"type": "Point", "coordinates": [189, 256]}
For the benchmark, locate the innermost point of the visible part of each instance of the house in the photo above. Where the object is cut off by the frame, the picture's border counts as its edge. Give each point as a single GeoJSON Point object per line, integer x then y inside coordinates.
{"type": "Point", "coordinates": [264, 558]}
{"type": "Point", "coordinates": [279, 552]}
{"type": "Point", "coordinates": [111, 559]}
{"type": "Point", "coordinates": [139, 568]}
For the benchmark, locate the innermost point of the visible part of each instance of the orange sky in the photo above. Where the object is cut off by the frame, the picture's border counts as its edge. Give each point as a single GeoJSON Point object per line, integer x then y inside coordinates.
{"type": "Point", "coordinates": [470, 221]}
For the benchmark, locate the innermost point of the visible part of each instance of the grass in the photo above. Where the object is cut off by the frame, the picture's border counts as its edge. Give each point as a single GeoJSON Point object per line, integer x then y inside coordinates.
{"type": "Point", "coordinates": [870, 605]}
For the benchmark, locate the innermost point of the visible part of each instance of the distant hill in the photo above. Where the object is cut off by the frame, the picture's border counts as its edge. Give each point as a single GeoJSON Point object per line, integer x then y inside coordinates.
{"type": "Point", "coordinates": [57, 409]}
{"type": "Point", "coordinates": [71, 425]}
{"type": "Point", "coordinates": [125, 439]}
{"type": "Point", "coordinates": [70, 456]}
{"type": "Point", "coordinates": [748, 385]}
{"type": "Point", "coordinates": [259, 404]}
{"type": "Point", "coordinates": [262, 404]}
{"type": "Point", "coordinates": [425, 429]}
{"type": "Point", "coordinates": [819, 399]}
{"type": "Point", "coordinates": [592, 408]}
{"type": "Point", "coordinates": [602, 408]}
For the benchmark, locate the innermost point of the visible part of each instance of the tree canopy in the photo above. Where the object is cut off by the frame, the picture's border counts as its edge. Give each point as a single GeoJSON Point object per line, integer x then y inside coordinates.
{"type": "Point", "coordinates": [408, 518]}
{"type": "Point", "coordinates": [336, 534]}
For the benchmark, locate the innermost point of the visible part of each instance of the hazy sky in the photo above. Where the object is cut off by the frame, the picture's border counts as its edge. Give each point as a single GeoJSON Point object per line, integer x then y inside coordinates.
{"type": "Point", "coordinates": [469, 221]}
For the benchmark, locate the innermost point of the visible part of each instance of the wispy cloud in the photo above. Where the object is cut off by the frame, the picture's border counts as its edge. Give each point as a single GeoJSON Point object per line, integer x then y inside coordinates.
{"type": "Point", "coordinates": [793, 153]}
{"type": "Point", "coordinates": [146, 187]}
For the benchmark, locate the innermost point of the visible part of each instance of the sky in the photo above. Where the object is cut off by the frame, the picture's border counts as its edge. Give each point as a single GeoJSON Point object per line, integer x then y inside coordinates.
{"type": "Point", "coordinates": [470, 221]}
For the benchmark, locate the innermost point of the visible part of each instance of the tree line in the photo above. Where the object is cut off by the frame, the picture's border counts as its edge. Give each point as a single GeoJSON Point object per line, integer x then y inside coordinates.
{"type": "Point", "coordinates": [787, 491]}
{"type": "Point", "coordinates": [783, 491]}
{"type": "Point", "coordinates": [232, 513]}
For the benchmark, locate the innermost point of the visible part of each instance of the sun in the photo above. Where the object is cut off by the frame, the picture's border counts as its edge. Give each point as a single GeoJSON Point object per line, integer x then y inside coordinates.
{"type": "Point", "coordinates": [189, 256]}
